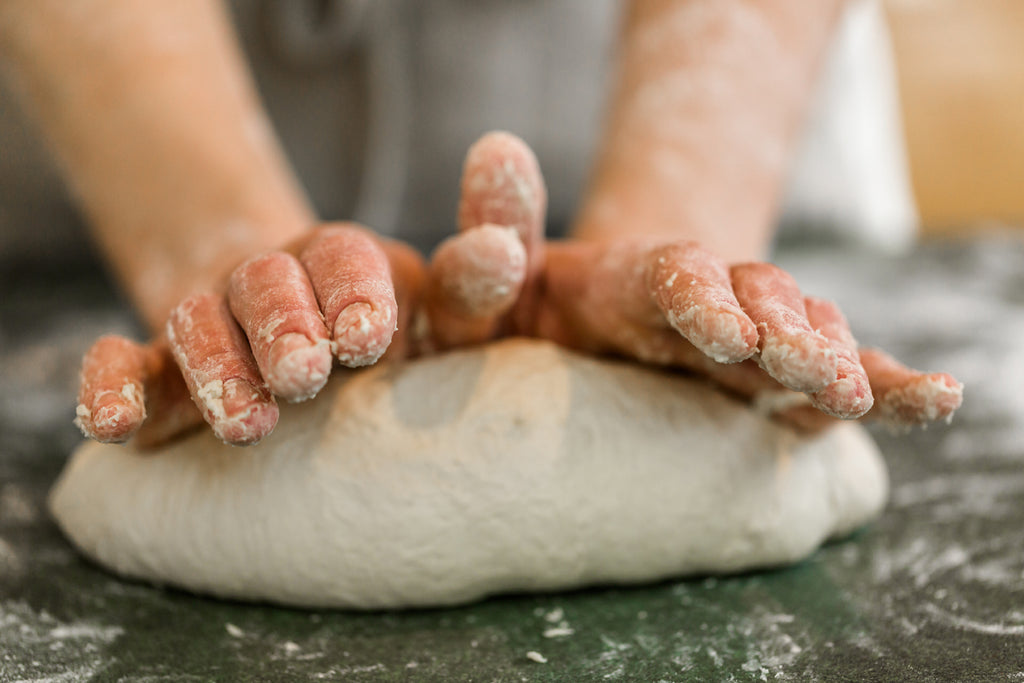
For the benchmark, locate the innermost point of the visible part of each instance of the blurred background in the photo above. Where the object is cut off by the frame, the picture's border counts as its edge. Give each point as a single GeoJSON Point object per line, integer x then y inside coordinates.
{"type": "Point", "coordinates": [960, 72]}
{"type": "Point", "coordinates": [960, 66]}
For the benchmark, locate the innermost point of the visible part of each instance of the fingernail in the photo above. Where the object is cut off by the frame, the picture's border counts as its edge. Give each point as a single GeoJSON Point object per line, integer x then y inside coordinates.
{"type": "Point", "coordinates": [847, 398]}
{"type": "Point", "coordinates": [298, 367]}
{"type": "Point", "coordinates": [362, 334]}
{"type": "Point", "coordinates": [724, 336]}
{"type": "Point", "coordinates": [241, 414]}
{"type": "Point", "coordinates": [239, 396]}
{"type": "Point", "coordinates": [807, 367]}
{"type": "Point", "coordinates": [116, 416]}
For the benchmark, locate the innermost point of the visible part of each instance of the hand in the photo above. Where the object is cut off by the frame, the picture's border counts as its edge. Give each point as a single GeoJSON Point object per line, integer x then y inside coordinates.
{"type": "Point", "coordinates": [338, 289]}
{"type": "Point", "coordinates": [338, 292]}
{"type": "Point", "coordinates": [746, 326]}
{"type": "Point", "coordinates": [272, 332]}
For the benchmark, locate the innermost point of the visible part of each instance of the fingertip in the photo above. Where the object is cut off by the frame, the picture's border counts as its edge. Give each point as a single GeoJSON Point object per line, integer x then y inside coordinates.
{"type": "Point", "coordinates": [722, 334]}
{"type": "Point", "coordinates": [927, 398]}
{"type": "Point", "coordinates": [112, 418]}
{"type": "Point", "coordinates": [491, 150]}
{"type": "Point", "coordinates": [692, 288]}
{"type": "Point", "coordinates": [808, 366]}
{"type": "Point", "coordinates": [297, 367]}
{"type": "Point", "coordinates": [848, 398]}
{"type": "Point", "coordinates": [907, 397]}
{"type": "Point", "coordinates": [362, 333]}
{"type": "Point", "coordinates": [502, 184]}
{"type": "Point", "coordinates": [351, 276]}
{"type": "Point", "coordinates": [111, 406]}
{"type": "Point", "coordinates": [480, 273]}
{"type": "Point", "coordinates": [242, 414]}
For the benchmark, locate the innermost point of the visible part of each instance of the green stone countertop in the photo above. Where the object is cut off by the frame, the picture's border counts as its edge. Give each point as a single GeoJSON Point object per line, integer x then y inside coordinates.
{"type": "Point", "coordinates": [933, 591]}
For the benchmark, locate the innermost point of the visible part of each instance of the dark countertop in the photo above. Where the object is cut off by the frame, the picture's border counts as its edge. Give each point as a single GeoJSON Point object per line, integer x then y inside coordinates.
{"type": "Point", "coordinates": [932, 591]}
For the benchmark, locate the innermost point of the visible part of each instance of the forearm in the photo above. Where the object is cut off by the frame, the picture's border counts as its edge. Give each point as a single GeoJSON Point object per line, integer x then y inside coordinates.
{"type": "Point", "coordinates": [708, 99]}
{"type": "Point", "coordinates": [150, 111]}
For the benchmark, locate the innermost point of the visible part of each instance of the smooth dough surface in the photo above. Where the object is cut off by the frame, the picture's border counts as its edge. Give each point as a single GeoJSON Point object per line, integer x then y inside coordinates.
{"type": "Point", "coordinates": [514, 467]}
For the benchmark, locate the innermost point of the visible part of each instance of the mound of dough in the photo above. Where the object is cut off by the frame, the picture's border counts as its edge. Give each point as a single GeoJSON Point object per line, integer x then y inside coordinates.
{"type": "Point", "coordinates": [514, 467]}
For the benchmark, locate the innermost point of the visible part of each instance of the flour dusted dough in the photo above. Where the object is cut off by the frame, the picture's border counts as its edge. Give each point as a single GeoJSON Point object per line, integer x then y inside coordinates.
{"type": "Point", "coordinates": [515, 467]}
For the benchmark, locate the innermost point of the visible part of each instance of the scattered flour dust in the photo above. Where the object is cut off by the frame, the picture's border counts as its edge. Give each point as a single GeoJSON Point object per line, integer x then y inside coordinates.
{"type": "Point", "coordinates": [16, 506]}
{"type": "Point", "coordinates": [35, 640]}
{"type": "Point", "coordinates": [212, 396]}
{"type": "Point", "coordinates": [555, 625]}
{"type": "Point", "coordinates": [764, 644]}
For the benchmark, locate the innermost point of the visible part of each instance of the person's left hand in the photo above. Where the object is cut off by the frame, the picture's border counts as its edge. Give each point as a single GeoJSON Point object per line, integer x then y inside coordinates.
{"type": "Point", "coordinates": [745, 326]}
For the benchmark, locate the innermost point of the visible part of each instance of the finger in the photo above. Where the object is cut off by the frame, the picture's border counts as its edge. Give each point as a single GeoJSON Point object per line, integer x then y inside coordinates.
{"type": "Point", "coordinates": [849, 396]}
{"type": "Point", "coordinates": [750, 382]}
{"type": "Point", "coordinates": [111, 398]}
{"type": "Point", "coordinates": [352, 281]}
{"type": "Point", "coordinates": [408, 275]}
{"type": "Point", "coordinates": [475, 278]}
{"type": "Point", "coordinates": [215, 361]}
{"type": "Point", "coordinates": [789, 349]}
{"type": "Point", "coordinates": [171, 410]}
{"type": "Point", "coordinates": [272, 299]}
{"type": "Point", "coordinates": [907, 397]}
{"type": "Point", "coordinates": [693, 289]}
{"type": "Point", "coordinates": [502, 185]}
{"type": "Point", "coordinates": [478, 274]}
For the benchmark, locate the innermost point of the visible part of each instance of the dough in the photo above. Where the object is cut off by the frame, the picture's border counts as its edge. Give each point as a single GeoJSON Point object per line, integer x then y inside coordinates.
{"type": "Point", "coordinates": [514, 467]}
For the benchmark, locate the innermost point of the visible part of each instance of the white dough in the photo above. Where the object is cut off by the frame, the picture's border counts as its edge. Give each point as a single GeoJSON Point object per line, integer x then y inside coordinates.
{"type": "Point", "coordinates": [514, 467]}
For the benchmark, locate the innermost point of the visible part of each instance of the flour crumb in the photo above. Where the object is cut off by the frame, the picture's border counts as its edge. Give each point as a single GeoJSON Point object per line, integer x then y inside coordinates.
{"type": "Point", "coordinates": [212, 396]}
{"type": "Point", "coordinates": [130, 393]}
{"type": "Point", "coordinates": [560, 631]}
{"type": "Point", "coordinates": [233, 630]}
{"type": "Point", "coordinates": [536, 657]}
{"type": "Point", "coordinates": [555, 615]}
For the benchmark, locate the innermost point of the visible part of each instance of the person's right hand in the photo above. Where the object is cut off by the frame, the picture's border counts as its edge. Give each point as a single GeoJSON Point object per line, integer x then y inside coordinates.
{"type": "Point", "coordinates": [274, 331]}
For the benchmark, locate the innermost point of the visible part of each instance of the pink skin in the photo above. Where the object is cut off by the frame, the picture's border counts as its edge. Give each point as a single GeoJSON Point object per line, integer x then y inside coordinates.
{"type": "Point", "coordinates": [692, 289]}
{"type": "Point", "coordinates": [273, 300]}
{"type": "Point", "coordinates": [479, 273]}
{"type": "Point", "coordinates": [652, 186]}
{"type": "Point", "coordinates": [849, 396]}
{"type": "Point", "coordinates": [668, 303]}
{"type": "Point", "coordinates": [352, 280]}
{"type": "Point", "coordinates": [494, 261]}
{"type": "Point", "coordinates": [167, 399]}
{"type": "Point", "coordinates": [287, 351]}
{"type": "Point", "coordinates": [502, 185]}
{"type": "Point", "coordinates": [675, 303]}
{"type": "Point", "coordinates": [168, 168]}
{"type": "Point", "coordinates": [790, 350]}
{"type": "Point", "coordinates": [110, 398]}
{"type": "Point", "coordinates": [213, 355]}
{"type": "Point", "coordinates": [908, 397]}
{"type": "Point", "coordinates": [109, 412]}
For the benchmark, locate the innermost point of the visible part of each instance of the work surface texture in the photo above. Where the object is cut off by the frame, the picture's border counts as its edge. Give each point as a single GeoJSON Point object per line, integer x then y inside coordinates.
{"type": "Point", "coordinates": [932, 591]}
